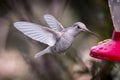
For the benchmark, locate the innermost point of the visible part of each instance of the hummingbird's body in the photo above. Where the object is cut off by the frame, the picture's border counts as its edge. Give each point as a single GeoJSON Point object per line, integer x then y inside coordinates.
{"type": "Point", "coordinates": [58, 38]}
{"type": "Point", "coordinates": [63, 43]}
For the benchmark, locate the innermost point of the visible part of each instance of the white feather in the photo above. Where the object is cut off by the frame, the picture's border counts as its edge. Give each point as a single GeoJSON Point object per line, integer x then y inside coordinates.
{"type": "Point", "coordinates": [37, 32]}
{"type": "Point", "coordinates": [53, 23]}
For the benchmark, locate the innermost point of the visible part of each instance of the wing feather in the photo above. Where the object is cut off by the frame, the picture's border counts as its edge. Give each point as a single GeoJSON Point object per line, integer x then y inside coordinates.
{"type": "Point", "coordinates": [53, 22]}
{"type": "Point", "coordinates": [37, 32]}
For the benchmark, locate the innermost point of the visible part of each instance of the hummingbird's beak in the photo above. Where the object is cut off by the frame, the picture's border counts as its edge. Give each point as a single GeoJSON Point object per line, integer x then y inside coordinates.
{"type": "Point", "coordinates": [87, 30]}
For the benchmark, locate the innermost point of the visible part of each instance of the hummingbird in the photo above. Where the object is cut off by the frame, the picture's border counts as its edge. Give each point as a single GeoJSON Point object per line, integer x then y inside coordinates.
{"type": "Point", "coordinates": [58, 38]}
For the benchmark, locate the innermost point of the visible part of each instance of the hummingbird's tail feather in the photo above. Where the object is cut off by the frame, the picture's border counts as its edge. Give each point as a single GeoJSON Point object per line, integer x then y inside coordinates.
{"type": "Point", "coordinates": [47, 50]}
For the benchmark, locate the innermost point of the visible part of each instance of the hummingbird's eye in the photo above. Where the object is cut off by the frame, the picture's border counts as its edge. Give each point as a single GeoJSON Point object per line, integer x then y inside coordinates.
{"type": "Point", "coordinates": [78, 27]}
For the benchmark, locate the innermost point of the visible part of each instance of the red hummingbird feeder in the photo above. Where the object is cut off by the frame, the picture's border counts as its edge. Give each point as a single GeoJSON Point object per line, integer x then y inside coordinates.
{"type": "Point", "coordinates": [110, 50]}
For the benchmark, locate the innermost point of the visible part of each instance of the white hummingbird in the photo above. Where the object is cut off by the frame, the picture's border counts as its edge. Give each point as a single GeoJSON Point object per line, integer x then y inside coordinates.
{"type": "Point", "coordinates": [58, 38]}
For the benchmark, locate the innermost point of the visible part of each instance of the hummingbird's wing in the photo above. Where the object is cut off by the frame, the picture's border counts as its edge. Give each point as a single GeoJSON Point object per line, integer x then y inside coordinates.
{"type": "Point", "coordinates": [53, 23]}
{"type": "Point", "coordinates": [37, 32]}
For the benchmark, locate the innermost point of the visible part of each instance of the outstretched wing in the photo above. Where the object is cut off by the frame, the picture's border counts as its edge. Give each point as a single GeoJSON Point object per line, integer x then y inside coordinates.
{"type": "Point", "coordinates": [37, 32]}
{"type": "Point", "coordinates": [53, 23]}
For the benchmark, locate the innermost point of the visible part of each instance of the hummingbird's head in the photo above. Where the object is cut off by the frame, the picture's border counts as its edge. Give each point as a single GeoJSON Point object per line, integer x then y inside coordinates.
{"type": "Point", "coordinates": [79, 26]}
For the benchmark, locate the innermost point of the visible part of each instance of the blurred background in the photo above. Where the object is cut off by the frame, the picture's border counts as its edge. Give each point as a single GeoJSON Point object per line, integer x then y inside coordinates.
{"type": "Point", "coordinates": [17, 51]}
